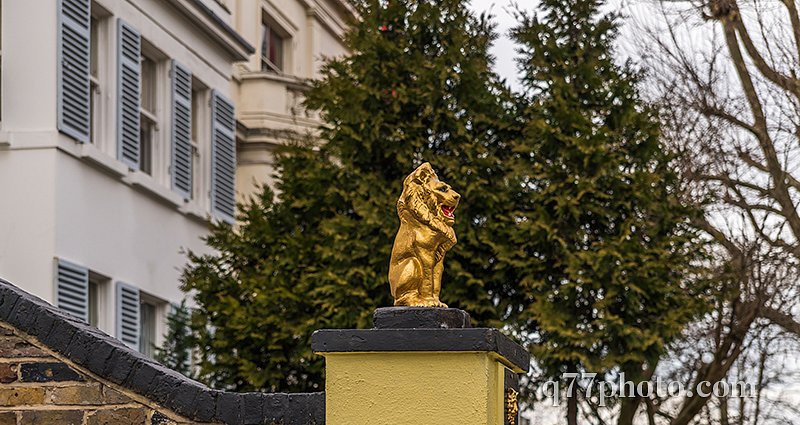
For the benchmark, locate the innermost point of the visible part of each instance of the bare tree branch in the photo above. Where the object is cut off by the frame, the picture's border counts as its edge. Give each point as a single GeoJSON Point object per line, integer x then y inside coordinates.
{"type": "Point", "coordinates": [785, 321]}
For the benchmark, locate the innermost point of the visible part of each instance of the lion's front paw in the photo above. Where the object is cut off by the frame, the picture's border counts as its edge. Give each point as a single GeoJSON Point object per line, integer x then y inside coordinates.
{"type": "Point", "coordinates": [431, 302]}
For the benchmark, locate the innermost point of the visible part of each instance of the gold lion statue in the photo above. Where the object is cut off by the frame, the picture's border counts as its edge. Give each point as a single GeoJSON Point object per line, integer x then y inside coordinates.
{"type": "Point", "coordinates": [426, 209]}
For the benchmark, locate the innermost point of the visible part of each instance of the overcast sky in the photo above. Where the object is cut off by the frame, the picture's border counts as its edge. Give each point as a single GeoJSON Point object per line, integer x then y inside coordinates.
{"type": "Point", "coordinates": [504, 50]}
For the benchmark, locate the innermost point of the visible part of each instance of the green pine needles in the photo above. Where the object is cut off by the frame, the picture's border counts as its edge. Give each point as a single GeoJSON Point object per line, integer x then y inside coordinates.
{"type": "Point", "coordinates": [571, 231]}
{"type": "Point", "coordinates": [176, 351]}
{"type": "Point", "coordinates": [417, 87]}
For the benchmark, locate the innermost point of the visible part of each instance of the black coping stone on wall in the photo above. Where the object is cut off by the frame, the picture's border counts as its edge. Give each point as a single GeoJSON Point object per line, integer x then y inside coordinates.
{"type": "Point", "coordinates": [420, 317]}
{"type": "Point", "coordinates": [410, 340]}
{"type": "Point", "coordinates": [110, 359]}
{"type": "Point", "coordinates": [412, 329]}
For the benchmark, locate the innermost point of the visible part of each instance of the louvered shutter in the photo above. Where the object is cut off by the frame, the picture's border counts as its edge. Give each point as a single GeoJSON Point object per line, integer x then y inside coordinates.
{"type": "Point", "coordinates": [74, 32]}
{"type": "Point", "coordinates": [128, 314]}
{"type": "Point", "coordinates": [223, 157]}
{"type": "Point", "coordinates": [72, 289]}
{"type": "Point", "coordinates": [129, 51]}
{"type": "Point", "coordinates": [181, 130]}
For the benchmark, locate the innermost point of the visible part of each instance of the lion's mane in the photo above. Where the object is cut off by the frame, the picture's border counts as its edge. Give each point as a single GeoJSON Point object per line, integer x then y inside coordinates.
{"type": "Point", "coordinates": [418, 205]}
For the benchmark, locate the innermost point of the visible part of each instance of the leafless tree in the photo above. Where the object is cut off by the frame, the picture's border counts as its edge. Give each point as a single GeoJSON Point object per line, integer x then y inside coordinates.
{"type": "Point", "coordinates": [725, 73]}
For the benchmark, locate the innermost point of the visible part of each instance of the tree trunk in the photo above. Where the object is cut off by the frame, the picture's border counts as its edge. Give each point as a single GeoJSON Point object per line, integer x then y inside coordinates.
{"type": "Point", "coordinates": [572, 399]}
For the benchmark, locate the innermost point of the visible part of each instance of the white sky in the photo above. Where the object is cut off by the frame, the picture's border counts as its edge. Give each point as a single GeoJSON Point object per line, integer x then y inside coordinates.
{"type": "Point", "coordinates": [636, 13]}
{"type": "Point", "coordinates": [504, 50]}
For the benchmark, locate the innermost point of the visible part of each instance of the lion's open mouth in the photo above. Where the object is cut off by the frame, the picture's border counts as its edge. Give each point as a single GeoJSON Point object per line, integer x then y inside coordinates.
{"type": "Point", "coordinates": [448, 211]}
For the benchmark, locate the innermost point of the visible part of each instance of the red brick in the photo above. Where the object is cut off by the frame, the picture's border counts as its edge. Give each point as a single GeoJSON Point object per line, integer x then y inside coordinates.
{"type": "Point", "coordinates": [8, 373]}
{"type": "Point", "coordinates": [18, 347]}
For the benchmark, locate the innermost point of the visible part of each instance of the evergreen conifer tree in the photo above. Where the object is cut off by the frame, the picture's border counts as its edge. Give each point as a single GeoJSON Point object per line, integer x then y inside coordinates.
{"type": "Point", "coordinates": [417, 87]}
{"type": "Point", "coordinates": [602, 243]}
{"type": "Point", "coordinates": [175, 353]}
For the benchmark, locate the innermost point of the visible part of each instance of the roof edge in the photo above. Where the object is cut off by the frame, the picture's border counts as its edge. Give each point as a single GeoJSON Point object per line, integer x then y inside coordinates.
{"type": "Point", "coordinates": [199, 13]}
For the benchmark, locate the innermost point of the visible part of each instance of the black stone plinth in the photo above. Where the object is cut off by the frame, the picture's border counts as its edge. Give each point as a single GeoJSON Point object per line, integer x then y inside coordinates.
{"type": "Point", "coordinates": [420, 318]}
{"type": "Point", "coordinates": [411, 340]}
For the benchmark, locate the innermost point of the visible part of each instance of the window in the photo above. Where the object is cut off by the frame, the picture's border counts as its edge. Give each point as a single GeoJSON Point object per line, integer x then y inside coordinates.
{"type": "Point", "coordinates": [139, 318]}
{"type": "Point", "coordinates": [80, 291]}
{"type": "Point", "coordinates": [147, 326]}
{"type": "Point", "coordinates": [98, 57]}
{"type": "Point", "coordinates": [271, 48]}
{"type": "Point", "coordinates": [94, 316]}
{"type": "Point", "coordinates": [147, 114]}
{"type": "Point", "coordinates": [97, 290]}
{"type": "Point", "coordinates": [199, 124]}
{"type": "Point", "coordinates": [94, 78]}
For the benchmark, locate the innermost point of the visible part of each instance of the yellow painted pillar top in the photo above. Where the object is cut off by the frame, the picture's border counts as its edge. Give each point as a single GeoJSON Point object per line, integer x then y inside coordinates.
{"type": "Point", "coordinates": [420, 366]}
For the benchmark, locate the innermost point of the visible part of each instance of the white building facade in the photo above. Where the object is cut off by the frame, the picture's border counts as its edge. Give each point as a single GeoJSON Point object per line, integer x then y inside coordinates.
{"type": "Point", "coordinates": [117, 149]}
{"type": "Point", "coordinates": [293, 39]}
{"type": "Point", "coordinates": [128, 126]}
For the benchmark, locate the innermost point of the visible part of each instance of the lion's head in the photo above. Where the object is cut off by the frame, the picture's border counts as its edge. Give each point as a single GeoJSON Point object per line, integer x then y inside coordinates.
{"type": "Point", "coordinates": [428, 200]}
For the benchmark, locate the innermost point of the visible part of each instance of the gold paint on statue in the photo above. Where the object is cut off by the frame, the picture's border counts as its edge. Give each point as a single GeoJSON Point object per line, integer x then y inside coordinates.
{"type": "Point", "coordinates": [512, 406]}
{"type": "Point", "coordinates": [426, 209]}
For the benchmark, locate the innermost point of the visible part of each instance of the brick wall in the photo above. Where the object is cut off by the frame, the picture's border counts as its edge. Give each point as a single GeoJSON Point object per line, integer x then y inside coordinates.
{"type": "Point", "coordinates": [57, 369]}
{"type": "Point", "coordinates": [39, 387]}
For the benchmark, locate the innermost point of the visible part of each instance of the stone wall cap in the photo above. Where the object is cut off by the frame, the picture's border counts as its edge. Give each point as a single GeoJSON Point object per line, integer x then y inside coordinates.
{"type": "Point", "coordinates": [110, 359]}
{"type": "Point", "coordinates": [417, 340]}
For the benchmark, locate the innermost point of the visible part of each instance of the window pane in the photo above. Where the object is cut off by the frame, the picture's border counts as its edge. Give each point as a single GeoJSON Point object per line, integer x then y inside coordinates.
{"type": "Point", "coordinates": [148, 85]}
{"type": "Point", "coordinates": [93, 316]}
{"type": "Point", "coordinates": [94, 47]}
{"type": "Point", "coordinates": [146, 145]}
{"type": "Point", "coordinates": [264, 40]}
{"type": "Point", "coordinates": [197, 108]}
{"type": "Point", "coordinates": [147, 328]}
{"type": "Point", "coordinates": [271, 49]}
{"type": "Point", "coordinates": [276, 51]}
{"type": "Point", "coordinates": [147, 126]}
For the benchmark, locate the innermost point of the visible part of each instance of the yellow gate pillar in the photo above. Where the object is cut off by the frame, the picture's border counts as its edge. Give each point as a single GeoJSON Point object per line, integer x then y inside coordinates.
{"type": "Point", "coordinates": [420, 366]}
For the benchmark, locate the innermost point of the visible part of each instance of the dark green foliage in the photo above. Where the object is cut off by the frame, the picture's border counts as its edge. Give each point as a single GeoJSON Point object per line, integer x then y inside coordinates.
{"type": "Point", "coordinates": [602, 243]}
{"type": "Point", "coordinates": [418, 87]}
{"type": "Point", "coordinates": [570, 230]}
{"type": "Point", "coordinates": [176, 351]}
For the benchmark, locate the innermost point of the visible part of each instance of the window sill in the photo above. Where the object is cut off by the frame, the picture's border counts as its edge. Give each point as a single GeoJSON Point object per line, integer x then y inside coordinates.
{"type": "Point", "coordinates": [144, 182]}
{"type": "Point", "coordinates": [138, 180]}
{"type": "Point", "coordinates": [194, 211]}
{"type": "Point", "coordinates": [91, 154]}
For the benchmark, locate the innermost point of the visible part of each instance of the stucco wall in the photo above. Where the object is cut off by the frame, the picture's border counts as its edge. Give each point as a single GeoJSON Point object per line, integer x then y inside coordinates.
{"type": "Point", "coordinates": [63, 199]}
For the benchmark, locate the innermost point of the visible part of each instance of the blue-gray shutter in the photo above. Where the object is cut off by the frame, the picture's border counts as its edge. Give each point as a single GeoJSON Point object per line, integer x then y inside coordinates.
{"type": "Point", "coordinates": [72, 289]}
{"type": "Point", "coordinates": [74, 60]}
{"type": "Point", "coordinates": [129, 52]}
{"type": "Point", "coordinates": [127, 314]}
{"type": "Point", "coordinates": [223, 157]}
{"type": "Point", "coordinates": [181, 130]}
